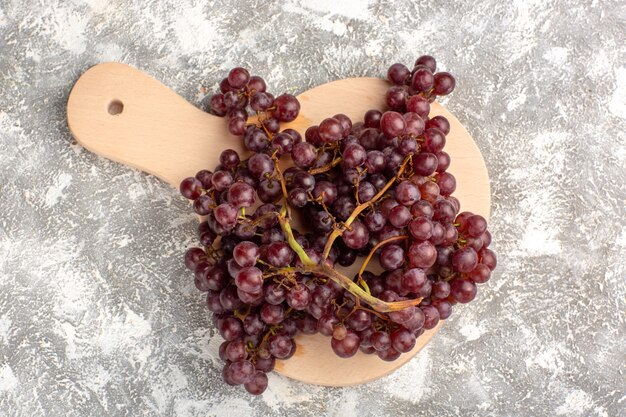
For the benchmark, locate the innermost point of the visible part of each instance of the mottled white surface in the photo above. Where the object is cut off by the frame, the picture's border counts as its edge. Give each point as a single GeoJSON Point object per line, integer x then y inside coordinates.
{"type": "Point", "coordinates": [98, 316]}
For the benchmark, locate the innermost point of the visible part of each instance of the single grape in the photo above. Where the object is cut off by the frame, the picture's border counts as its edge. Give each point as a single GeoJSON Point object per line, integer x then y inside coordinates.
{"type": "Point", "coordinates": [241, 194]}
{"type": "Point", "coordinates": [191, 188]}
{"type": "Point", "coordinates": [287, 108]}
{"type": "Point", "coordinates": [260, 164]}
{"type": "Point", "coordinates": [303, 154]}
{"type": "Point", "coordinates": [193, 257]}
{"type": "Point", "coordinates": [396, 97]}
{"type": "Point", "coordinates": [299, 297]}
{"type": "Point", "coordinates": [222, 180]}
{"type": "Point", "coordinates": [434, 140]}
{"type": "Point", "coordinates": [238, 77]}
{"type": "Point", "coordinates": [256, 384]}
{"type": "Point", "coordinates": [462, 290]}
{"type": "Point", "coordinates": [464, 259]}
{"type": "Point", "coordinates": [399, 216]}
{"type": "Point", "coordinates": [347, 346]}
{"type": "Point", "coordinates": [272, 314]}
{"type": "Point", "coordinates": [274, 293]}
{"type": "Point", "coordinates": [242, 371]}
{"type": "Point", "coordinates": [422, 254]}
{"type": "Point", "coordinates": [392, 257]}
{"type": "Point", "coordinates": [441, 123]}
{"type": "Point", "coordinates": [422, 80]}
{"type": "Point", "coordinates": [488, 257]}
{"type": "Point", "coordinates": [392, 124]}
{"type": "Point", "coordinates": [427, 61]}
{"type": "Point", "coordinates": [356, 236]}
{"type": "Point", "coordinates": [407, 193]}
{"type": "Point", "coordinates": [388, 355]}
{"type": "Point", "coordinates": [419, 105]}
{"type": "Point", "coordinates": [372, 118]}
{"type": "Point", "coordinates": [397, 74]}
{"type": "Point", "coordinates": [444, 83]}
{"type": "Point", "coordinates": [330, 130]}
{"type": "Point", "coordinates": [280, 346]}
{"type": "Point", "coordinates": [413, 280]}
{"type": "Point", "coordinates": [421, 228]}
{"type": "Point", "coordinates": [402, 340]}
{"type": "Point", "coordinates": [231, 329]}
{"type": "Point", "coordinates": [226, 215]}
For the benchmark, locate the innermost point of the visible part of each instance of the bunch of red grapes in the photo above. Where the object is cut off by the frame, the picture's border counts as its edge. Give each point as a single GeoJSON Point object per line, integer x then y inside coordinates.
{"type": "Point", "coordinates": [372, 189]}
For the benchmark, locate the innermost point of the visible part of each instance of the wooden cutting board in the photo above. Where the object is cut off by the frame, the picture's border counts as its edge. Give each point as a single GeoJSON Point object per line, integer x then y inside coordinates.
{"type": "Point", "coordinates": [127, 116]}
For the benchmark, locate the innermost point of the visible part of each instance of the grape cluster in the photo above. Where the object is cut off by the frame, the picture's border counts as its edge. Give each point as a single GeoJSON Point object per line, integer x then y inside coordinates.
{"type": "Point", "coordinates": [376, 189]}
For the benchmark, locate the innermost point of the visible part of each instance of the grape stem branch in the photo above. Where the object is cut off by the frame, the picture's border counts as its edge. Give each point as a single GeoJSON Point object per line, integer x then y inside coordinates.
{"type": "Point", "coordinates": [323, 269]}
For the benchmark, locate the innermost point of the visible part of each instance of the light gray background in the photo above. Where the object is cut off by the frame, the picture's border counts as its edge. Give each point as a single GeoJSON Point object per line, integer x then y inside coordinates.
{"type": "Point", "coordinates": [97, 314]}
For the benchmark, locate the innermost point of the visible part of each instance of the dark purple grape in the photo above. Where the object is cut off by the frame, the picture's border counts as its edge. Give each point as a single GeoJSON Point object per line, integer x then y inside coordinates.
{"type": "Point", "coordinates": [193, 257]}
{"type": "Point", "coordinates": [464, 259]}
{"type": "Point", "coordinates": [255, 139]}
{"type": "Point", "coordinates": [238, 77]}
{"type": "Point", "coordinates": [272, 314]}
{"type": "Point", "coordinates": [242, 371]}
{"type": "Point", "coordinates": [260, 164]}
{"type": "Point", "coordinates": [204, 176]}
{"type": "Point", "coordinates": [280, 346]}
{"type": "Point", "coordinates": [356, 236]}
{"type": "Point", "coordinates": [347, 346]}
{"type": "Point", "coordinates": [422, 80]}
{"type": "Point", "coordinates": [427, 61]}
{"type": "Point", "coordinates": [434, 140]}
{"type": "Point", "coordinates": [191, 188]}
{"type": "Point", "coordinates": [354, 155]}
{"type": "Point", "coordinates": [256, 83]}
{"type": "Point", "coordinates": [480, 274]}
{"type": "Point", "coordinates": [422, 255]}
{"type": "Point", "coordinates": [443, 161]}
{"type": "Point", "coordinates": [249, 279]}
{"type": "Point", "coordinates": [446, 183]}
{"type": "Point", "coordinates": [226, 215]}
{"type": "Point", "coordinates": [246, 254]}
{"type": "Point", "coordinates": [388, 355]}
{"type": "Point", "coordinates": [421, 228]}
{"type": "Point", "coordinates": [241, 194]}
{"type": "Point", "coordinates": [330, 130]}
{"type": "Point", "coordinates": [439, 122]}
{"type": "Point", "coordinates": [375, 221]}
{"type": "Point", "coordinates": [299, 297]}
{"type": "Point", "coordinates": [397, 74]}
{"type": "Point", "coordinates": [279, 254]}
{"type": "Point", "coordinates": [260, 101]}
{"type": "Point", "coordinates": [372, 118]}
{"type": "Point", "coordinates": [407, 193]}
{"type": "Point", "coordinates": [399, 216]}
{"type": "Point", "coordinates": [475, 226]}
{"type": "Point", "coordinates": [221, 180]}
{"type": "Point", "coordinates": [269, 190]}
{"type": "Point", "coordinates": [345, 122]}
{"type": "Point", "coordinates": [396, 97]}
{"type": "Point", "coordinates": [274, 293]}
{"type": "Point", "coordinates": [402, 340]}
{"type": "Point", "coordinates": [419, 105]}
{"type": "Point", "coordinates": [287, 108]}
{"type": "Point", "coordinates": [488, 257]}
{"type": "Point", "coordinates": [375, 162]}
{"type": "Point", "coordinates": [444, 83]}
{"type": "Point", "coordinates": [413, 280]}
{"type": "Point", "coordinates": [392, 257]}
{"type": "Point", "coordinates": [462, 290]}
{"type": "Point", "coordinates": [303, 154]}
{"type": "Point", "coordinates": [282, 142]}
{"type": "Point", "coordinates": [231, 329]}
{"type": "Point", "coordinates": [392, 124]}
{"type": "Point", "coordinates": [229, 158]}
{"type": "Point", "coordinates": [257, 384]}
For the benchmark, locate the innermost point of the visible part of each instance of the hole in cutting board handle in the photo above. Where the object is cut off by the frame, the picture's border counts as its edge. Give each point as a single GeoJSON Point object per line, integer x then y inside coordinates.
{"type": "Point", "coordinates": [115, 107]}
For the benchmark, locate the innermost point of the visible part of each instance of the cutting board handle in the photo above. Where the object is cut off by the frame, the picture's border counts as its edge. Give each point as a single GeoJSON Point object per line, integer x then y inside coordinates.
{"type": "Point", "coordinates": [125, 115]}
